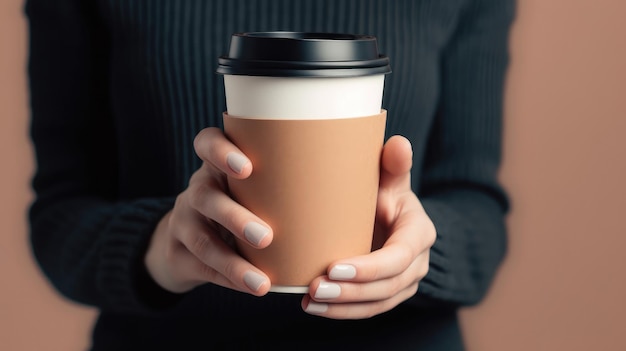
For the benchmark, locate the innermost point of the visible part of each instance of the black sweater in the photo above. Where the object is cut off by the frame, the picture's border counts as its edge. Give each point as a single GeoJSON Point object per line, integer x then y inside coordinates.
{"type": "Point", "coordinates": [119, 89]}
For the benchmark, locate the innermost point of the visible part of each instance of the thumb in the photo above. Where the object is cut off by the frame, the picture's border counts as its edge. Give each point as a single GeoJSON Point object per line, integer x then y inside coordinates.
{"type": "Point", "coordinates": [396, 163]}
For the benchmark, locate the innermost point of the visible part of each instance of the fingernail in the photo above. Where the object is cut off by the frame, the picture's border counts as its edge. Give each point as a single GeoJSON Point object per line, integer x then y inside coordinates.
{"type": "Point", "coordinates": [253, 280]}
{"type": "Point", "coordinates": [327, 290]}
{"type": "Point", "coordinates": [255, 232]}
{"type": "Point", "coordinates": [316, 308]}
{"type": "Point", "coordinates": [236, 161]}
{"type": "Point", "coordinates": [342, 272]}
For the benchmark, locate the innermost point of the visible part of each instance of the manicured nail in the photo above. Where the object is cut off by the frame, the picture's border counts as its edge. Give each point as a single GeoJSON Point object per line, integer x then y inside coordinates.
{"type": "Point", "coordinates": [255, 232]}
{"type": "Point", "coordinates": [342, 272]}
{"type": "Point", "coordinates": [236, 161]}
{"type": "Point", "coordinates": [253, 280]}
{"type": "Point", "coordinates": [327, 290]}
{"type": "Point", "coordinates": [316, 308]}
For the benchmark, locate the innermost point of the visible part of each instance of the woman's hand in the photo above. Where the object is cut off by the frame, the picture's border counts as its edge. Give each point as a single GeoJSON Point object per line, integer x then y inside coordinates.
{"type": "Point", "coordinates": [190, 245]}
{"type": "Point", "coordinates": [364, 286]}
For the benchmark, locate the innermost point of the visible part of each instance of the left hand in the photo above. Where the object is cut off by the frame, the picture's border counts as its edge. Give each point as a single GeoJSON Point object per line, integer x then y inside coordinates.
{"type": "Point", "coordinates": [367, 285]}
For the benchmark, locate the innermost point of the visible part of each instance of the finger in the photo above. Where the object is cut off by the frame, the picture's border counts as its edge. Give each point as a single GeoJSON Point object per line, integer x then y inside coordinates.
{"type": "Point", "coordinates": [359, 310]}
{"type": "Point", "coordinates": [397, 160]}
{"type": "Point", "coordinates": [246, 279]}
{"type": "Point", "coordinates": [324, 289]}
{"type": "Point", "coordinates": [413, 233]}
{"type": "Point", "coordinates": [211, 202]}
{"type": "Point", "coordinates": [212, 146]}
{"type": "Point", "coordinates": [212, 260]}
{"type": "Point", "coordinates": [187, 272]}
{"type": "Point", "coordinates": [395, 256]}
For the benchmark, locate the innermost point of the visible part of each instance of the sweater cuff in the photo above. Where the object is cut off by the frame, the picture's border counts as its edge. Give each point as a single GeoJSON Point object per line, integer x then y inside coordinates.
{"type": "Point", "coordinates": [122, 276]}
{"type": "Point", "coordinates": [470, 245]}
{"type": "Point", "coordinates": [441, 278]}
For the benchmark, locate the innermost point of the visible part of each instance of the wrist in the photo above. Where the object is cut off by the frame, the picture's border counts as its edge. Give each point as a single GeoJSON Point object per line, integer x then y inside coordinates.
{"type": "Point", "coordinates": [148, 286]}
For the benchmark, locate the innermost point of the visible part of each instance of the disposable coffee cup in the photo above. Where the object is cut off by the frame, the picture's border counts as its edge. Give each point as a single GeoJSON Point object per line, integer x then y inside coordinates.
{"type": "Point", "coordinates": [306, 109]}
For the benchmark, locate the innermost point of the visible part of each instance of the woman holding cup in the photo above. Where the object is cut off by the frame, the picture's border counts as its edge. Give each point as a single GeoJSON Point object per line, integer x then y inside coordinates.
{"type": "Point", "coordinates": [134, 212]}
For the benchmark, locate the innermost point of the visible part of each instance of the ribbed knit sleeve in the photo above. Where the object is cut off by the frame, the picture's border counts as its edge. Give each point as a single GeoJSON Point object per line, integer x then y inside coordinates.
{"type": "Point", "coordinates": [88, 242]}
{"type": "Point", "coordinates": [459, 185]}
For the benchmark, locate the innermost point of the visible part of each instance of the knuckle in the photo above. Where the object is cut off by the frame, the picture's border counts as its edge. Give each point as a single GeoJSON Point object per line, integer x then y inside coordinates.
{"type": "Point", "coordinates": [194, 179]}
{"type": "Point", "coordinates": [356, 290]}
{"type": "Point", "coordinates": [373, 273]}
{"type": "Point", "coordinates": [199, 141]}
{"type": "Point", "coordinates": [421, 266]}
{"type": "Point", "coordinates": [396, 285]}
{"type": "Point", "coordinates": [200, 245]}
{"type": "Point", "coordinates": [196, 195]}
{"type": "Point", "coordinates": [423, 270]}
{"type": "Point", "coordinates": [412, 290]}
{"type": "Point", "coordinates": [205, 143]}
{"type": "Point", "coordinates": [180, 201]}
{"type": "Point", "coordinates": [208, 273]}
{"type": "Point", "coordinates": [431, 234]}
{"type": "Point", "coordinates": [170, 253]}
{"type": "Point", "coordinates": [229, 269]}
{"type": "Point", "coordinates": [202, 137]}
{"type": "Point", "coordinates": [405, 255]}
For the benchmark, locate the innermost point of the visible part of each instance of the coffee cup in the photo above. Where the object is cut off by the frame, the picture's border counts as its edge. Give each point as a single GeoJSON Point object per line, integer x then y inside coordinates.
{"type": "Point", "coordinates": [306, 108]}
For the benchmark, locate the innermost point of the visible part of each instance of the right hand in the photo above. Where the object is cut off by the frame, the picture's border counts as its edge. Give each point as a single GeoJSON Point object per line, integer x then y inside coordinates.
{"type": "Point", "coordinates": [193, 243]}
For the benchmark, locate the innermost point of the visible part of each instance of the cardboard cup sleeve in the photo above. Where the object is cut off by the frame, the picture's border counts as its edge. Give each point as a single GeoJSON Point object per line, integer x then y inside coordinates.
{"type": "Point", "coordinates": [315, 182]}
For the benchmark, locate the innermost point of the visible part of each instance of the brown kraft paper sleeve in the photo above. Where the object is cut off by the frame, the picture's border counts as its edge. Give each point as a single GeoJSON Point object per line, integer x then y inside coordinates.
{"type": "Point", "coordinates": [315, 182]}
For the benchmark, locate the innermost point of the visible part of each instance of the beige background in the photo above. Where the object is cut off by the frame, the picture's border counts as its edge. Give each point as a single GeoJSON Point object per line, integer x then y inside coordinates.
{"type": "Point", "coordinates": [562, 286]}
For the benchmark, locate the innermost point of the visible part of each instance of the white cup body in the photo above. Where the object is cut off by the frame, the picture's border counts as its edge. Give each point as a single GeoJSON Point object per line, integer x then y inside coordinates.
{"type": "Point", "coordinates": [258, 97]}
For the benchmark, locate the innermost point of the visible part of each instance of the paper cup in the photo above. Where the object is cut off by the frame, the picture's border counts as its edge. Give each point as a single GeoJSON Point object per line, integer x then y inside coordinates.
{"type": "Point", "coordinates": [306, 109]}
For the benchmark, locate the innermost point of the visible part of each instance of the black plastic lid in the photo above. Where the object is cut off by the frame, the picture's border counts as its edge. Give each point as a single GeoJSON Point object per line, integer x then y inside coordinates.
{"type": "Point", "coordinates": [300, 54]}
